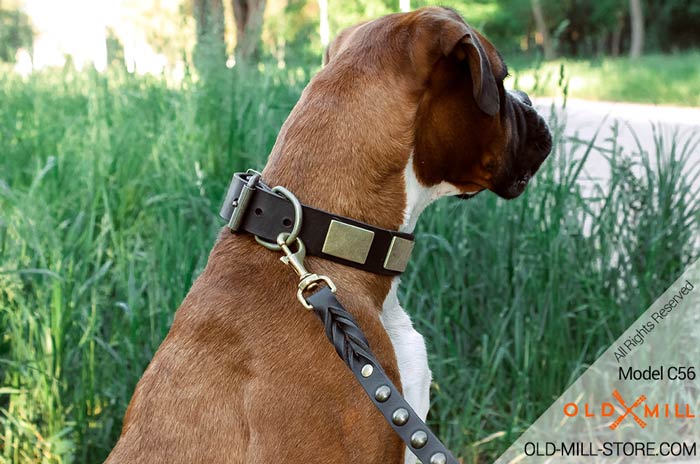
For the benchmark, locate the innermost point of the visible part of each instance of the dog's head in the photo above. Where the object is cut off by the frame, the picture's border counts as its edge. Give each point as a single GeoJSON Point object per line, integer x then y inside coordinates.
{"type": "Point", "coordinates": [468, 130]}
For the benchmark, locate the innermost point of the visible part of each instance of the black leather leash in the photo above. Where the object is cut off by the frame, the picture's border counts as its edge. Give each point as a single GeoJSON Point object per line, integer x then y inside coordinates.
{"type": "Point", "coordinates": [341, 328]}
{"type": "Point", "coordinates": [352, 347]}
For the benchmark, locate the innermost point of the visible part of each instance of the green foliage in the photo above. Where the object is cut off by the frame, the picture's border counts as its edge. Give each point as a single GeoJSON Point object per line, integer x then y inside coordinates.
{"type": "Point", "coordinates": [115, 49]}
{"type": "Point", "coordinates": [674, 25]}
{"type": "Point", "coordinates": [344, 14]}
{"type": "Point", "coordinates": [659, 79]}
{"type": "Point", "coordinates": [497, 20]}
{"type": "Point", "coordinates": [296, 33]}
{"type": "Point", "coordinates": [170, 31]}
{"type": "Point", "coordinates": [109, 187]}
{"type": "Point", "coordinates": [580, 27]}
{"type": "Point", "coordinates": [583, 24]}
{"type": "Point", "coordinates": [209, 54]}
{"type": "Point", "coordinates": [16, 31]}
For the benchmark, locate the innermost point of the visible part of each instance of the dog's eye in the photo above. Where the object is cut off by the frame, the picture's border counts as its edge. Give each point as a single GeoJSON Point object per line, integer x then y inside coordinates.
{"type": "Point", "coordinates": [505, 73]}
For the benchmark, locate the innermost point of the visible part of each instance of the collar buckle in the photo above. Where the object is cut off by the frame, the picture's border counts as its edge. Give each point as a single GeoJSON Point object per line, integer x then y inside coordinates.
{"type": "Point", "coordinates": [241, 203]}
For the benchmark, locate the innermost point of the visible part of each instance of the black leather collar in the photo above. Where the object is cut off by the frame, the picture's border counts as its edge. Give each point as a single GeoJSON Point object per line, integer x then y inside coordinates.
{"type": "Point", "coordinates": [251, 206]}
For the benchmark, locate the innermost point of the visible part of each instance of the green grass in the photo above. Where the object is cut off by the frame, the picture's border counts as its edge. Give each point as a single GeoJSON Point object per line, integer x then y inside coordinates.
{"type": "Point", "coordinates": [670, 79]}
{"type": "Point", "coordinates": [109, 185]}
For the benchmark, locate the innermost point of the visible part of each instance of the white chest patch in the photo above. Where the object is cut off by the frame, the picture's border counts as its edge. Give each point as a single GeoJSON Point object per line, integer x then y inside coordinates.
{"type": "Point", "coordinates": [409, 345]}
{"type": "Point", "coordinates": [411, 356]}
{"type": "Point", "coordinates": [418, 196]}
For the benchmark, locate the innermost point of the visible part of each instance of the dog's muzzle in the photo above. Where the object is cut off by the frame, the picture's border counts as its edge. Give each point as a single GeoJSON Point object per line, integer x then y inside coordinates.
{"type": "Point", "coordinates": [530, 144]}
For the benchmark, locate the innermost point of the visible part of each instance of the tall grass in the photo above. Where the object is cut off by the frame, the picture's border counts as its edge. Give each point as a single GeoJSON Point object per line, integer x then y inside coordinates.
{"type": "Point", "coordinates": [517, 298]}
{"type": "Point", "coordinates": [107, 194]}
{"type": "Point", "coordinates": [109, 186]}
{"type": "Point", "coordinates": [668, 79]}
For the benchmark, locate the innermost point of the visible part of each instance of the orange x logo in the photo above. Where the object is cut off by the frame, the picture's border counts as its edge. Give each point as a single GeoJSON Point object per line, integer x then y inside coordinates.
{"type": "Point", "coordinates": [628, 411]}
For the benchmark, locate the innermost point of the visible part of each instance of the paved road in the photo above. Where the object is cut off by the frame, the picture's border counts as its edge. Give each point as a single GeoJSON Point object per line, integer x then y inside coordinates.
{"type": "Point", "coordinates": [584, 118]}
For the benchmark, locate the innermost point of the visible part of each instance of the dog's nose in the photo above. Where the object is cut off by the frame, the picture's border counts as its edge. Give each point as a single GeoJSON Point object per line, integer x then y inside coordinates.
{"type": "Point", "coordinates": [521, 96]}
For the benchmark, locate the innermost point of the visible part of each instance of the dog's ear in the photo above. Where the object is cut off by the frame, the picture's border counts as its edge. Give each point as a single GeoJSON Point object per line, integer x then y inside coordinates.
{"type": "Point", "coordinates": [459, 41]}
{"type": "Point", "coordinates": [457, 136]}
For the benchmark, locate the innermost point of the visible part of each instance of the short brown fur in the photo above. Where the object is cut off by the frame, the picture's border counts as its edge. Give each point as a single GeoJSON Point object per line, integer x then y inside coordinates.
{"type": "Point", "coordinates": [245, 374]}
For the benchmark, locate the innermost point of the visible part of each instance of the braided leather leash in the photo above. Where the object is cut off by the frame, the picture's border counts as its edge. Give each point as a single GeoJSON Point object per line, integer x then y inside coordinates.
{"type": "Point", "coordinates": [352, 347]}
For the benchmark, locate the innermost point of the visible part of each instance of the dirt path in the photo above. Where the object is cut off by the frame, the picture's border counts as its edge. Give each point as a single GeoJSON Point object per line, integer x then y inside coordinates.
{"type": "Point", "coordinates": [636, 125]}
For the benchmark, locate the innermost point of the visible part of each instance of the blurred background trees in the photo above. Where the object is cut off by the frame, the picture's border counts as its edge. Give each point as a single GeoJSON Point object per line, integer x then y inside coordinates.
{"type": "Point", "coordinates": [249, 23]}
{"type": "Point", "coordinates": [296, 31]}
{"type": "Point", "coordinates": [211, 46]}
{"type": "Point", "coordinates": [16, 30]}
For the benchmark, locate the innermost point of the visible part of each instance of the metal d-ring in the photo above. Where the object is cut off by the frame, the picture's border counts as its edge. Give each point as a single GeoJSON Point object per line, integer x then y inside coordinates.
{"type": "Point", "coordinates": [296, 228]}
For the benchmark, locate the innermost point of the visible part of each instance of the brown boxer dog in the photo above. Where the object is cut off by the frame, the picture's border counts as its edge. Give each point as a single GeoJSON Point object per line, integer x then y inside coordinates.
{"type": "Point", "coordinates": [409, 107]}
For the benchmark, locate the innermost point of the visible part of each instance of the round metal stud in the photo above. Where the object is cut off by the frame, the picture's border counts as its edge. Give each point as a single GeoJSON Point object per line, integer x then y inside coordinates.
{"type": "Point", "coordinates": [382, 394]}
{"type": "Point", "coordinates": [400, 416]}
{"type": "Point", "coordinates": [418, 439]}
{"type": "Point", "coordinates": [438, 458]}
{"type": "Point", "coordinates": [367, 370]}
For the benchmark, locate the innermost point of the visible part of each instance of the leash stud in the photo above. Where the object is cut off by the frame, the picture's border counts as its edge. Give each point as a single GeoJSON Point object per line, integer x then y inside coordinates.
{"type": "Point", "coordinates": [400, 416]}
{"type": "Point", "coordinates": [382, 394]}
{"type": "Point", "coordinates": [419, 439]}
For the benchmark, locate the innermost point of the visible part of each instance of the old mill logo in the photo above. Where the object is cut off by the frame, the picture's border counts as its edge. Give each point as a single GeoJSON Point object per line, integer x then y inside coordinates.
{"type": "Point", "coordinates": [637, 411]}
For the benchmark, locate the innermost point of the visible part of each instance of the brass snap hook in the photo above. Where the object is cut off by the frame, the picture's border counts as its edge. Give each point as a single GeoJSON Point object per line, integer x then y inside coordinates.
{"type": "Point", "coordinates": [295, 260]}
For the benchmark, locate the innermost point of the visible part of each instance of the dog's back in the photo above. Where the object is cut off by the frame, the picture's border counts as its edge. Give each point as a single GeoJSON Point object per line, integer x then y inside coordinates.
{"type": "Point", "coordinates": [246, 375]}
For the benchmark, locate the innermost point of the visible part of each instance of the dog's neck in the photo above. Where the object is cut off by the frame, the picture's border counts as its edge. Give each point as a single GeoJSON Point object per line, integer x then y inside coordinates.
{"type": "Point", "coordinates": [352, 156]}
{"type": "Point", "coordinates": [402, 196]}
{"type": "Point", "coordinates": [345, 146]}
{"type": "Point", "coordinates": [419, 196]}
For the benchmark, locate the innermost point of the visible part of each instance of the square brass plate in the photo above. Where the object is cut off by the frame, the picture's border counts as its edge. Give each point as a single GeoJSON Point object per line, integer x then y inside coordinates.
{"type": "Point", "coordinates": [399, 252]}
{"type": "Point", "coordinates": [348, 242]}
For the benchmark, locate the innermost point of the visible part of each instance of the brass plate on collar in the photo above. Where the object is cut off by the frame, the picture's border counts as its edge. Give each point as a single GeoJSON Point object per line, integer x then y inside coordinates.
{"type": "Point", "coordinates": [398, 255]}
{"type": "Point", "coordinates": [348, 242]}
